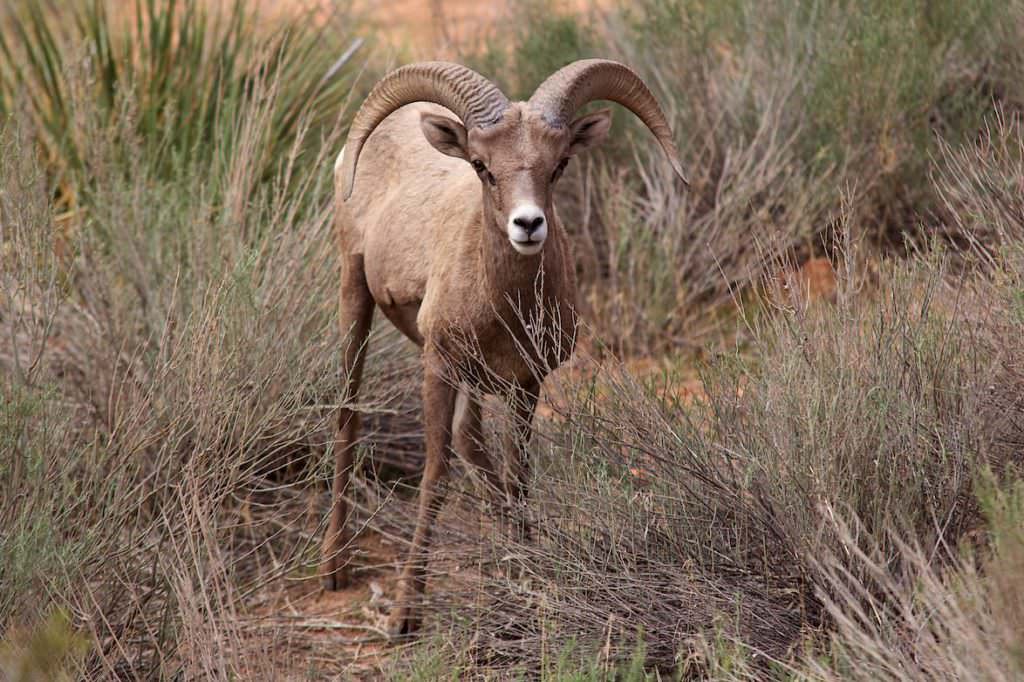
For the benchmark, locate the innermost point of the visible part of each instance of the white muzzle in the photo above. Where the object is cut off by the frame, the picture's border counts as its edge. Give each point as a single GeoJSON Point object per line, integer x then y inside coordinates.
{"type": "Point", "coordinates": [527, 229]}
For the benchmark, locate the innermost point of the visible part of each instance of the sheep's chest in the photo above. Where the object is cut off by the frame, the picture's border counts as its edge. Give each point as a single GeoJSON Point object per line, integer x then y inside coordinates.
{"type": "Point", "coordinates": [513, 347]}
{"type": "Point", "coordinates": [502, 321]}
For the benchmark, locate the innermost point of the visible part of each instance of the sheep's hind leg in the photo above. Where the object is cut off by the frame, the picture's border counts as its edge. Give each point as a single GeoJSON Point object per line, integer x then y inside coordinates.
{"type": "Point", "coordinates": [523, 403]}
{"type": "Point", "coordinates": [468, 440]}
{"type": "Point", "coordinates": [356, 316]}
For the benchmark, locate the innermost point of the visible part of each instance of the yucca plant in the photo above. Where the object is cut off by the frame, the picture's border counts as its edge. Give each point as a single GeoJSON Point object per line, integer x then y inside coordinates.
{"type": "Point", "coordinates": [172, 73]}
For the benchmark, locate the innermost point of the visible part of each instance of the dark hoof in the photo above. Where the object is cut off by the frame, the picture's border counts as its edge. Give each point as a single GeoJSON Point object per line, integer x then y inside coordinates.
{"type": "Point", "coordinates": [401, 623]}
{"type": "Point", "coordinates": [515, 523]}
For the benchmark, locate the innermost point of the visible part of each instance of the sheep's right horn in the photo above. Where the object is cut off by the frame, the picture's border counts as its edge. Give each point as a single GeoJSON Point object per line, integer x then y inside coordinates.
{"type": "Point", "coordinates": [565, 91]}
{"type": "Point", "coordinates": [473, 98]}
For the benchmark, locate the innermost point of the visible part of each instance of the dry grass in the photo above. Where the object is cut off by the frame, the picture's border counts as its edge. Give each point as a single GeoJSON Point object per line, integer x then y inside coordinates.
{"type": "Point", "coordinates": [166, 364]}
{"type": "Point", "coordinates": [837, 498]}
{"type": "Point", "coordinates": [783, 113]}
{"type": "Point", "coordinates": [700, 531]}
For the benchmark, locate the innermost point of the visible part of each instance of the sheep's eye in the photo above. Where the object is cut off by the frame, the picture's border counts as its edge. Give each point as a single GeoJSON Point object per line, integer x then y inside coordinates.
{"type": "Point", "coordinates": [559, 168]}
{"type": "Point", "coordinates": [482, 171]}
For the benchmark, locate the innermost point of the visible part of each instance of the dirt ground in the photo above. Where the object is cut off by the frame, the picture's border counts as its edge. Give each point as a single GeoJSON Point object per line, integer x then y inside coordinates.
{"type": "Point", "coordinates": [341, 635]}
{"type": "Point", "coordinates": [334, 634]}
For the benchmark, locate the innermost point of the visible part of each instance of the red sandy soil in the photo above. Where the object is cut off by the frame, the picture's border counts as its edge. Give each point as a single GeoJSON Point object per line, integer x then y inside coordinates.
{"type": "Point", "coordinates": [333, 633]}
{"type": "Point", "coordinates": [340, 635]}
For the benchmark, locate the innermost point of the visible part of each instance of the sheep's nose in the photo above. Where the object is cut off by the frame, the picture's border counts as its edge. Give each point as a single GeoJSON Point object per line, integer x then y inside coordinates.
{"type": "Point", "coordinates": [527, 228]}
{"type": "Point", "coordinates": [529, 223]}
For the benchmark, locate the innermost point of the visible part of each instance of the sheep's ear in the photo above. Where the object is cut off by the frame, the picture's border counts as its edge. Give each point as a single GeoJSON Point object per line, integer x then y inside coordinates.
{"type": "Point", "coordinates": [590, 130]}
{"type": "Point", "coordinates": [446, 135]}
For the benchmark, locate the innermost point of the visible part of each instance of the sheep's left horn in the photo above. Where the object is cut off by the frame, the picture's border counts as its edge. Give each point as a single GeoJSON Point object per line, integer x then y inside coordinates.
{"type": "Point", "coordinates": [473, 98]}
{"type": "Point", "coordinates": [568, 89]}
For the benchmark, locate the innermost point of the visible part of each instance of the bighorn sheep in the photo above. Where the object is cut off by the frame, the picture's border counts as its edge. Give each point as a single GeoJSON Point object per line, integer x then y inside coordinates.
{"type": "Point", "coordinates": [466, 245]}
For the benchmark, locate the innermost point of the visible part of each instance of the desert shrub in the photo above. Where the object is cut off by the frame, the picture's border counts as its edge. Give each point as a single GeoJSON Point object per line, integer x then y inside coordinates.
{"type": "Point", "coordinates": [175, 75]}
{"type": "Point", "coordinates": [129, 409]}
{"type": "Point", "coordinates": [668, 264]}
{"type": "Point", "coordinates": [803, 515]}
{"type": "Point", "coordinates": [45, 653]}
{"type": "Point", "coordinates": [871, 85]}
{"type": "Point", "coordinates": [963, 622]}
{"type": "Point", "coordinates": [168, 369]}
{"type": "Point", "coordinates": [781, 111]}
{"type": "Point", "coordinates": [979, 185]}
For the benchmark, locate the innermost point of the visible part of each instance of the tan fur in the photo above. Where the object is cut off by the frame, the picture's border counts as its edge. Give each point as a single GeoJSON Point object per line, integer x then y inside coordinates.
{"type": "Point", "coordinates": [424, 239]}
{"type": "Point", "coordinates": [417, 216]}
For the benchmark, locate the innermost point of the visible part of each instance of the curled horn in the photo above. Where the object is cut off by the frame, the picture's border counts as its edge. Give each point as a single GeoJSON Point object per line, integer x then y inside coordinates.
{"type": "Point", "coordinates": [568, 89]}
{"type": "Point", "coordinates": [473, 98]}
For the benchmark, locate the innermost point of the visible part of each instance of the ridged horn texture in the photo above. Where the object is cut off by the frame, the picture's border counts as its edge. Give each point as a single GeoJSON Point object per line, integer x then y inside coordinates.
{"type": "Point", "coordinates": [567, 90]}
{"type": "Point", "coordinates": [473, 98]}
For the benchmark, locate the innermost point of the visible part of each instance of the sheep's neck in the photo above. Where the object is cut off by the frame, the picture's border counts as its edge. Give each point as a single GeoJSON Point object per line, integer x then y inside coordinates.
{"type": "Point", "coordinates": [508, 273]}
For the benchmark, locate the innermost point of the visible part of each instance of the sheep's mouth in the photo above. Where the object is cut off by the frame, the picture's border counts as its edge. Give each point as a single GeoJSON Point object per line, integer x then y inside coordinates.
{"type": "Point", "coordinates": [527, 247]}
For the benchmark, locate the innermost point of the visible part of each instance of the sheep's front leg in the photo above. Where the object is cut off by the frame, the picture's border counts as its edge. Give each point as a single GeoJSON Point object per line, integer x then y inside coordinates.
{"type": "Point", "coordinates": [438, 410]}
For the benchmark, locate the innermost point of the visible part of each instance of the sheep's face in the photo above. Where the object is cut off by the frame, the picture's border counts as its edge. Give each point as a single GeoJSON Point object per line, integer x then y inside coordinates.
{"type": "Point", "coordinates": [518, 162]}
